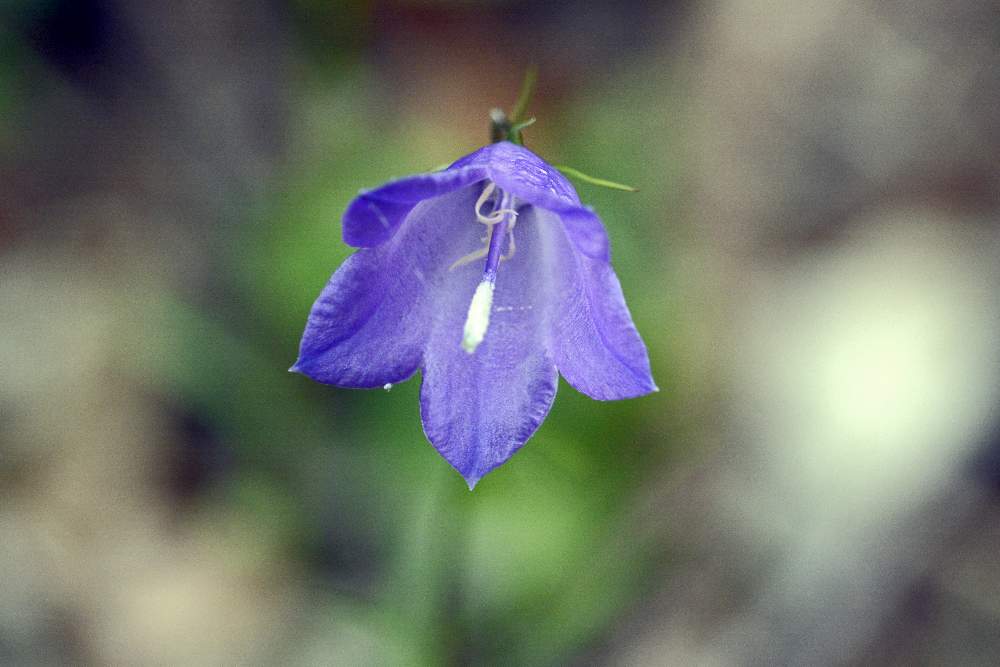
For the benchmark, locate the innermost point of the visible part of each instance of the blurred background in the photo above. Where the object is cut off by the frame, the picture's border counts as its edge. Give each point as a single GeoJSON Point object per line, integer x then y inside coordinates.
{"type": "Point", "coordinates": [812, 261]}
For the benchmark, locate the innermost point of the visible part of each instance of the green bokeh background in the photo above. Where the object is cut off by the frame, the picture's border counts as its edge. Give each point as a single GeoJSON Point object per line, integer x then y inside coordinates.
{"type": "Point", "coordinates": [172, 179]}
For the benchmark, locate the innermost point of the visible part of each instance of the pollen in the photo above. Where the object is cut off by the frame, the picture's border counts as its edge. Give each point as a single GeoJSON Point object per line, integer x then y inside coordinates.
{"type": "Point", "coordinates": [478, 319]}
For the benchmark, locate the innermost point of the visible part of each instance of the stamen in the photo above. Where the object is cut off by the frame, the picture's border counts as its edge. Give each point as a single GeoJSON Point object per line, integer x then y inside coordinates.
{"type": "Point", "coordinates": [487, 191]}
{"type": "Point", "coordinates": [511, 246]}
{"type": "Point", "coordinates": [475, 254]}
{"type": "Point", "coordinates": [496, 216]}
{"type": "Point", "coordinates": [491, 220]}
{"type": "Point", "coordinates": [468, 259]}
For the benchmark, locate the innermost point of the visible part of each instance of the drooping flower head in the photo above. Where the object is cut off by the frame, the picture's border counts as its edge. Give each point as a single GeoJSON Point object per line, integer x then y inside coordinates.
{"type": "Point", "coordinates": [491, 278]}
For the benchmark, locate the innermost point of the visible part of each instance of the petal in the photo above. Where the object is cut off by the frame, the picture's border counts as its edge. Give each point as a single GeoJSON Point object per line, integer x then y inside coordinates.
{"type": "Point", "coordinates": [519, 171]}
{"type": "Point", "coordinates": [374, 216]}
{"type": "Point", "coordinates": [479, 409]}
{"type": "Point", "coordinates": [587, 232]}
{"type": "Point", "coordinates": [371, 322]}
{"type": "Point", "coordinates": [530, 178]}
{"type": "Point", "coordinates": [594, 343]}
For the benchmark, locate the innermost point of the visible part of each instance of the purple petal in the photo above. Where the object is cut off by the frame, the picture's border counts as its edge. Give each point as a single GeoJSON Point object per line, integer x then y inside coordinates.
{"type": "Point", "coordinates": [479, 409]}
{"type": "Point", "coordinates": [594, 343]}
{"type": "Point", "coordinates": [584, 227]}
{"type": "Point", "coordinates": [371, 322]}
{"type": "Point", "coordinates": [530, 178]}
{"type": "Point", "coordinates": [519, 171]}
{"type": "Point", "coordinates": [374, 216]}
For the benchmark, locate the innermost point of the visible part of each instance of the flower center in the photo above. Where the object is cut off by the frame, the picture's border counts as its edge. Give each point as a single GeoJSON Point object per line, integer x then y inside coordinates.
{"type": "Point", "coordinates": [500, 224]}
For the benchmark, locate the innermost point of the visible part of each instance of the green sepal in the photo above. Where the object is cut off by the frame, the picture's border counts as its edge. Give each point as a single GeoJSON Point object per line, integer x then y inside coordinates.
{"type": "Point", "coordinates": [514, 133]}
{"type": "Point", "coordinates": [527, 90]}
{"type": "Point", "coordinates": [602, 182]}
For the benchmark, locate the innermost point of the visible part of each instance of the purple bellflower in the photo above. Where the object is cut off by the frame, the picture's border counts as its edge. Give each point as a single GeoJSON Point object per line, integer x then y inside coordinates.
{"type": "Point", "coordinates": [491, 278]}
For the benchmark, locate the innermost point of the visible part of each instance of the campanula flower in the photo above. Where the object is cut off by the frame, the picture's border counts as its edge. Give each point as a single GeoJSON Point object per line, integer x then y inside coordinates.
{"type": "Point", "coordinates": [491, 278]}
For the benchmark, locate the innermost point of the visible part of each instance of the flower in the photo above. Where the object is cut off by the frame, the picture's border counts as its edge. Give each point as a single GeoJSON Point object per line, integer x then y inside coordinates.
{"type": "Point", "coordinates": [490, 342]}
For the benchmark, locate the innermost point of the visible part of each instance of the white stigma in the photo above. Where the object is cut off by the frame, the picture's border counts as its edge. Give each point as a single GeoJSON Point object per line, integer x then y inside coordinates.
{"type": "Point", "coordinates": [478, 319]}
